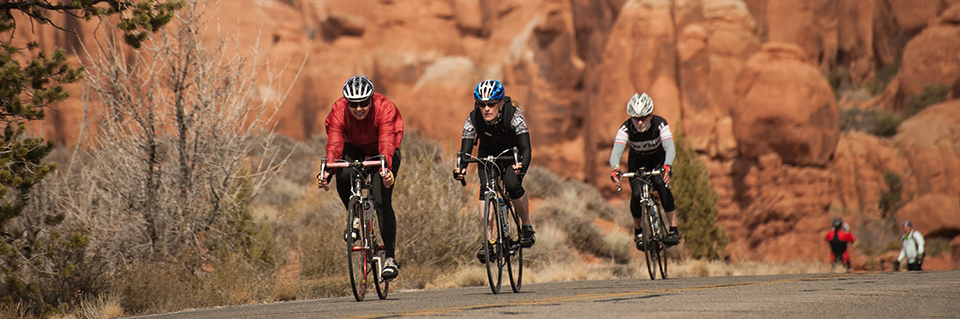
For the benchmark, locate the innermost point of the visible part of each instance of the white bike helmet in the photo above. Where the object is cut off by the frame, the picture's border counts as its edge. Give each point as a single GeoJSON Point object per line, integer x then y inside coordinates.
{"type": "Point", "coordinates": [640, 105]}
{"type": "Point", "coordinates": [358, 88]}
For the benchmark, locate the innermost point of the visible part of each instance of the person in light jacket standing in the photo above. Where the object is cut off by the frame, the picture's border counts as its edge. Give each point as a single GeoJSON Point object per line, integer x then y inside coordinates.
{"type": "Point", "coordinates": [912, 243]}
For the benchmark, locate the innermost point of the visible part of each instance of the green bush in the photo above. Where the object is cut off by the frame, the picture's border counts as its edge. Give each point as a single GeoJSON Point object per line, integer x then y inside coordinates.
{"type": "Point", "coordinates": [890, 201]}
{"type": "Point", "coordinates": [936, 246]}
{"type": "Point", "coordinates": [696, 204]}
{"type": "Point", "coordinates": [885, 124]}
{"type": "Point", "coordinates": [931, 95]}
{"type": "Point", "coordinates": [883, 78]}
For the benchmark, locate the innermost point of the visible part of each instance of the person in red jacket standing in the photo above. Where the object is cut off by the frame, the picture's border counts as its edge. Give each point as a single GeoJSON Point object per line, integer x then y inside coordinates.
{"type": "Point", "coordinates": [364, 123]}
{"type": "Point", "coordinates": [839, 238]}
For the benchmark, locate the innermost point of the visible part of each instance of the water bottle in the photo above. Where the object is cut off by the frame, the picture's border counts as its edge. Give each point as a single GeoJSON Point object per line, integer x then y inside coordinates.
{"type": "Point", "coordinates": [368, 209]}
{"type": "Point", "coordinates": [503, 205]}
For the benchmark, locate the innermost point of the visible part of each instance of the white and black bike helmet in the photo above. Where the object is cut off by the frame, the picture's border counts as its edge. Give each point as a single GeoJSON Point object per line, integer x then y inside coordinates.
{"type": "Point", "coordinates": [640, 105]}
{"type": "Point", "coordinates": [358, 88]}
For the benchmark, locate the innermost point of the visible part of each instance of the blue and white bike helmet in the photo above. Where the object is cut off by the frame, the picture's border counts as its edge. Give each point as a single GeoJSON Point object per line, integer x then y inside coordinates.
{"type": "Point", "coordinates": [488, 90]}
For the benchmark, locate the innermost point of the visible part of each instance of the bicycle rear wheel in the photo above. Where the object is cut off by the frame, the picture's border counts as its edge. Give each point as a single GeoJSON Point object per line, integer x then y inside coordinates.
{"type": "Point", "coordinates": [357, 255]}
{"type": "Point", "coordinates": [514, 253]}
{"type": "Point", "coordinates": [378, 255]}
{"type": "Point", "coordinates": [492, 245]}
{"type": "Point", "coordinates": [650, 244]}
{"type": "Point", "coordinates": [660, 233]}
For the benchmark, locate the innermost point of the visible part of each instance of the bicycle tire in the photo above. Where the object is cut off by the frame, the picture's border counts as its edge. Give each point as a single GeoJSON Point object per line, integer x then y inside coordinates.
{"type": "Point", "coordinates": [514, 254]}
{"type": "Point", "coordinates": [378, 250]}
{"type": "Point", "coordinates": [494, 263]}
{"type": "Point", "coordinates": [356, 254]}
{"type": "Point", "coordinates": [649, 244]}
{"type": "Point", "coordinates": [662, 252]}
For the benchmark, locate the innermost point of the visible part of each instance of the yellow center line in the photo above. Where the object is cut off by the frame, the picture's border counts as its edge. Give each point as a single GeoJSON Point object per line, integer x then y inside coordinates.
{"type": "Point", "coordinates": [596, 296]}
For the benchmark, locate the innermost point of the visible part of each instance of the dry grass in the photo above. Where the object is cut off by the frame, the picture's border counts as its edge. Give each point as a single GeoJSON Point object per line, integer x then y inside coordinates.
{"type": "Point", "coordinates": [100, 307]}
{"type": "Point", "coordinates": [438, 234]}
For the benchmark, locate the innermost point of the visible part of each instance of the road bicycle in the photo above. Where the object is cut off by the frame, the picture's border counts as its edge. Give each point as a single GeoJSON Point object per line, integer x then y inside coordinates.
{"type": "Point", "coordinates": [654, 229]}
{"type": "Point", "coordinates": [501, 224]}
{"type": "Point", "coordinates": [365, 250]}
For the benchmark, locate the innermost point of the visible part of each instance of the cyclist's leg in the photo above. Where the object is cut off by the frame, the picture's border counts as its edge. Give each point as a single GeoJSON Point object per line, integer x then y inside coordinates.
{"type": "Point", "coordinates": [634, 162]}
{"type": "Point", "coordinates": [350, 153]}
{"type": "Point", "coordinates": [666, 199]}
{"type": "Point", "coordinates": [383, 204]}
{"type": "Point", "coordinates": [514, 185]}
{"type": "Point", "coordinates": [518, 197]}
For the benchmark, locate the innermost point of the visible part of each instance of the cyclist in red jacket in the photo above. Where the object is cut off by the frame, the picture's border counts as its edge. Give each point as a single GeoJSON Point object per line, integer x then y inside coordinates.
{"type": "Point", "coordinates": [360, 124]}
{"type": "Point", "coordinates": [838, 238]}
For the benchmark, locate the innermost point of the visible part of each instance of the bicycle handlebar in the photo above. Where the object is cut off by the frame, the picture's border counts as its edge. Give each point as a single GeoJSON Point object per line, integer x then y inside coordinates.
{"type": "Point", "coordinates": [339, 163]}
{"type": "Point", "coordinates": [489, 159]}
{"type": "Point", "coordinates": [654, 172]}
{"type": "Point", "coordinates": [642, 173]}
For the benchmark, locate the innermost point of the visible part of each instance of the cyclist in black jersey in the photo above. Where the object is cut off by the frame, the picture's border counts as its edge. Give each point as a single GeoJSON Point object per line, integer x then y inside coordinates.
{"type": "Point", "coordinates": [497, 123]}
{"type": "Point", "coordinates": [651, 146]}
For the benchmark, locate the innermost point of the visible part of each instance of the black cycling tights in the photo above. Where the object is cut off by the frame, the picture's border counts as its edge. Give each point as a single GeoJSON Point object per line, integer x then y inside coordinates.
{"type": "Point", "coordinates": [382, 196]}
{"type": "Point", "coordinates": [666, 197]}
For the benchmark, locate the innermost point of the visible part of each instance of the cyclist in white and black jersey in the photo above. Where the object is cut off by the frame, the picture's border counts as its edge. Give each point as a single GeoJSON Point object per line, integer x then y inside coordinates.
{"type": "Point", "coordinates": [497, 124]}
{"type": "Point", "coordinates": [651, 146]}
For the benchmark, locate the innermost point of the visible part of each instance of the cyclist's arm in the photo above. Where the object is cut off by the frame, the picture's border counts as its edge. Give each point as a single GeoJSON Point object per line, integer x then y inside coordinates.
{"type": "Point", "coordinates": [519, 125]}
{"type": "Point", "coordinates": [668, 145]}
{"type": "Point", "coordinates": [386, 124]}
{"type": "Point", "coordinates": [920, 243]}
{"type": "Point", "coordinates": [523, 147]}
{"type": "Point", "coordinates": [469, 139]}
{"type": "Point", "coordinates": [334, 128]}
{"type": "Point", "coordinates": [466, 147]}
{"type": "Point", "coordinates": [619, 145]}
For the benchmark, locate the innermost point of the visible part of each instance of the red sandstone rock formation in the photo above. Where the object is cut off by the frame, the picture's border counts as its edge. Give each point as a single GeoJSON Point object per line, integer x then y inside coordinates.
{"type": "Point", "coordinates": [744, 80]}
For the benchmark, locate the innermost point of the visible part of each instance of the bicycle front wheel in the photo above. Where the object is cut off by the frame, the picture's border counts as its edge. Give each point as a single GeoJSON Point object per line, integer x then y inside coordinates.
{"type": "Point", "coordinates": [492, 243]}
{"type": "Point", "coordinates": [357, 254]}
{"type": "Point", "coordinates": [650, 244]}
{"type": "Point", "coordinates": [378, 255]}
{"type": "Point", "coordinates": [514, 253]}
{"type": "Point", "coordinates": [660, 233]}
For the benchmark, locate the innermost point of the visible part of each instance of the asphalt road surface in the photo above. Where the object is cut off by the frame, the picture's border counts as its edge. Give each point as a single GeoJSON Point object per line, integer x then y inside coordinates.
{"type": "Point", "coordinates": [928, 294]}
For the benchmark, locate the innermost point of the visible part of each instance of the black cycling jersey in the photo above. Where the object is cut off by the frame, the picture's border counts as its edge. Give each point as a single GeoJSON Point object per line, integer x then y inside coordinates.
{"type": "Point", "coordinates": [648, 142]}
{"type": "Point", "coordinates": [500, 135]}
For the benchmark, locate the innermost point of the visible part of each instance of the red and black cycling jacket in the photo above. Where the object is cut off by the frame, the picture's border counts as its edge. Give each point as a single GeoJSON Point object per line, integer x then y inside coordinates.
{"type": "Point", "coordinates": [380, 132]}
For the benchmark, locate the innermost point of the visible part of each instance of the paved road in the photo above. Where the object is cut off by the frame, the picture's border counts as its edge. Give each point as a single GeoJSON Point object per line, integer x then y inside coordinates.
{"type": "Point", "coordinates": [859, 295]}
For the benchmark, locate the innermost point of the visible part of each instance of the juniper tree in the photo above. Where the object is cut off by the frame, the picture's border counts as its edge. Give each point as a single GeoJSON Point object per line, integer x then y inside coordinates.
{"type": "Point", "coordinates": [30, 82]}
{"type": "Point", "coordinates": [696, 205]}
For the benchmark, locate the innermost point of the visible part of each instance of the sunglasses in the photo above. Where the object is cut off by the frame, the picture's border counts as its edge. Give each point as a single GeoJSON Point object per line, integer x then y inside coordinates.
{"type": "Point", "coordinates": [487, 104]}
{"type": "Point", "coordinates": [353, 105]}
{"type": "Point", "coordinates": [643, 118]}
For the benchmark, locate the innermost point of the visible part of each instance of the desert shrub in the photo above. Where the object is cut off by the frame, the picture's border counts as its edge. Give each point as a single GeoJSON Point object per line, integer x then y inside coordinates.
{"type": "Point", "coordinates": [437, 224]}
{"type": "Point", "coordinates": [936, 246]}
{"type": "Point", "coordinates": [931, 95]}
{"type": "Point", "coordinates": [696, 205]}
{"type": "Point", "coordinates": [882, 78]}
{"type": "Point", "coordinates": [539, 182]}
{"type": "Point", "coordinates": [885, 124]}
{"type": "Point", "coordinates": [891, 200]}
